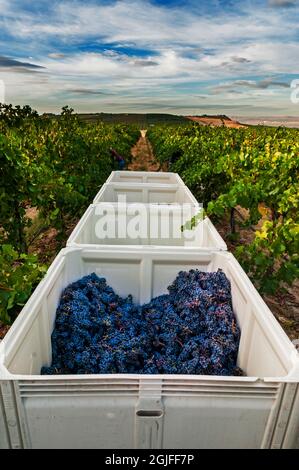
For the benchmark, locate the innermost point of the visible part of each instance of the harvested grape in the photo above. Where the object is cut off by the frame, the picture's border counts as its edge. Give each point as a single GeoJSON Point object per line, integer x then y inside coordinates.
{"type": "Point", "coordinates": [190, 330]}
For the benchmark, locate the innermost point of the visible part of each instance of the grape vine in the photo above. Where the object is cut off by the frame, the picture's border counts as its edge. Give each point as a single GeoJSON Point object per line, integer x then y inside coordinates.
{"type": "Point", "coordinates": [252, 168]}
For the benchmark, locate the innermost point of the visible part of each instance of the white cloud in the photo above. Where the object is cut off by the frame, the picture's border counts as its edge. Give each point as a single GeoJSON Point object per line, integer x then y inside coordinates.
{"type": "Point", "coordinates": [238, 85]}
{"type": "Point", "coordinates": [146, 24]}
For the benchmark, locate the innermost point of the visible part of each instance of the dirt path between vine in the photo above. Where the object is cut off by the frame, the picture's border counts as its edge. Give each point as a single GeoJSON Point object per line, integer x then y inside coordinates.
{"type": "Point", "coordinates": [143, 156]}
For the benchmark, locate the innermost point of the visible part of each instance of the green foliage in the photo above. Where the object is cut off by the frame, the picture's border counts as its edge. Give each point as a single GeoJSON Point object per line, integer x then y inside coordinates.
{"type": "Point", "coordinates": [195, 220]}
{"type": "Point", "coordinates": [16, 187]}
{"type": "Point", "coordinates": [19, 274]}
{"type": "Point", "coordinates": [54, 164]}
{"type": "Point", "coordinates": [15, 116]}
{"type": "Point", "coordinates": [249, 167]}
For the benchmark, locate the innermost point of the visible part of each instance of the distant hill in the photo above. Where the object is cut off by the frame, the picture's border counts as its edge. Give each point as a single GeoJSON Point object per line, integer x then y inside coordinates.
{"type": "Point", "coordinates": [150, 119]}
{"type": "Point", "coordinates": [131, 118]}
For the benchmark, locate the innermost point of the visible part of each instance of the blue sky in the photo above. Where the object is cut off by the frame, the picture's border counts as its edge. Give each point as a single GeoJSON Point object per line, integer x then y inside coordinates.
{"type": "Point", "coordinates": [190, 57]}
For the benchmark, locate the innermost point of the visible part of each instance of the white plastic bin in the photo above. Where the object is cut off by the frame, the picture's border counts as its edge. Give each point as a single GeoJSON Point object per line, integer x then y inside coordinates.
{"type": "Point", "coordinates": [147, 411]}
{"type": "Point", "coordinates": [153, 177]}
{"type": "Point", "coordinates": [146, 193]}
{"type": "Point", "coordinates": [159, 226]}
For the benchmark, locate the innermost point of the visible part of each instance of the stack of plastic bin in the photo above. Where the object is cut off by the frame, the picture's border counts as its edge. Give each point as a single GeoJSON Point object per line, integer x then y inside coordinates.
{"type": "Point", "coordinates": [118, 411]}
{"type": "Point", "coordinates": [162, 195]}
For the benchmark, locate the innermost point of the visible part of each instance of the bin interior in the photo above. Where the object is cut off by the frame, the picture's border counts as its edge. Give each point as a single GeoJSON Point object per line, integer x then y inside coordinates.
{"type": "Point", "coordinates": [264, 348]}
{"type": "Point", "coordinates": [144, 177]}
{"type": "Point", "coordinates": [104, 225]}
{"type": "Point", "coordinates": [145, 193]}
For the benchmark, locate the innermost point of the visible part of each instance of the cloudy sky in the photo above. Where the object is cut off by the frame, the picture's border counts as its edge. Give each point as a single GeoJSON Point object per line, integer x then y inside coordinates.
{"type": "Point", "coordinates": [192, 57]}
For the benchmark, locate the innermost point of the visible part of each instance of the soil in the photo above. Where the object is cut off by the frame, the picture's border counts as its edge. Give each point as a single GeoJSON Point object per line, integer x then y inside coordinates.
{"type": "Point", "coordinates": [3, 330]}
{"type": "Point", "coordinates": [216, 122]}
{"type": "Point", "coordinates": [31, 212]}
{"type": "Point", "coordinates": [143, 156]}
{"type": "Point", "coordinates": [46, 245]}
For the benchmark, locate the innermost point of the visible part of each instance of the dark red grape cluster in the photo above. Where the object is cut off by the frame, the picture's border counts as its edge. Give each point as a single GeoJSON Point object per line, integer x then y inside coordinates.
{"type": "Point", "coordinates": [190, 330]}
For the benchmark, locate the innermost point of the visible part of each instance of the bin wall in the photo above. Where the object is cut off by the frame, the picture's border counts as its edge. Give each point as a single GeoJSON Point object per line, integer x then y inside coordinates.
{"type": "Point", "coordinates": [148, 413]}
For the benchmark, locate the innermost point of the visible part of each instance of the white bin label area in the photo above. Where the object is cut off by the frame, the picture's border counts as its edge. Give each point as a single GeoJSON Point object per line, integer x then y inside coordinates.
{"type": "Point", "coordinates": [154, 411]}
{"type": "Point", "coordinates": [135, 221]}
{"type": "Point", "coordinates": [141, 225]}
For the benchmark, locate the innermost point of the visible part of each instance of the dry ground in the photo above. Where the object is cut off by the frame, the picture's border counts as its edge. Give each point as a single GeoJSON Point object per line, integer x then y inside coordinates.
{"type": "Point", "coordinates": [143, 157]}
{"type": "Point", "coordinates": [216, 121]}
